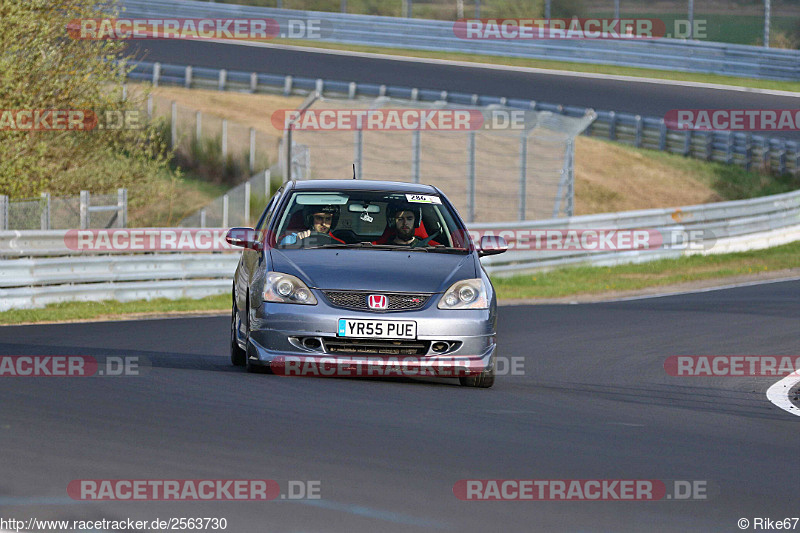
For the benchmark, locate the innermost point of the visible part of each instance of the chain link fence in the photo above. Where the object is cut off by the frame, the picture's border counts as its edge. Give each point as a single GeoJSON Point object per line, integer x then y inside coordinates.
{"type": "Point", "coordinates": [65, 212]}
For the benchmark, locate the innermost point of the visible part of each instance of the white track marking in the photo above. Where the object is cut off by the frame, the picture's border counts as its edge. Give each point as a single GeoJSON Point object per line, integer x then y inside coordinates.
{"type": "Point", "coordinates": [491, 66]}
{"type": "Point", "coordinates": [779, 393]}
{"type": "Point", "coordinates": [706, 289]}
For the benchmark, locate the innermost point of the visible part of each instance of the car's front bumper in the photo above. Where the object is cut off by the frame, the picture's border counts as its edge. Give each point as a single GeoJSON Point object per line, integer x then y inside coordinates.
{"type": "Point", "coordinates": [281, 332]}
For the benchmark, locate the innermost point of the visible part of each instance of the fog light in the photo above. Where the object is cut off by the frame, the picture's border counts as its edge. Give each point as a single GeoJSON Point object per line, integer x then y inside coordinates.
{"type": "Point", "coordinates": [440, 347]}
{"type": "Point", "coordinates": [311, 343]}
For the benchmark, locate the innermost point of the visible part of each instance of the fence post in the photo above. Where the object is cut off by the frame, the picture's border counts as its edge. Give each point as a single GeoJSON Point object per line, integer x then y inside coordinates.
{"type": "Point", "coordinates": [150, 106]}
{"type": "Point", "coordinates": [287, 86]}
{"type": "Point", "coordinates": [247, 203]}
{"type": "Point", "coordinates": [358, 151]}
{"type": "Point", "coordinates": [267, 183]}
{"type": "Point", "coordinates": [415, 155]}
{"type": "Point", "coordinates": [523, 174]}
{"type": "Point", "coordinates": [198, 125]}
{"type": "Point", "coordinates": [45, 210]}
{"type": "Point", "coordinates": [187, 82]}
{"type": "Point", "coordinates": [173, 128]}
{"type": "Point", "coordinates": [223, 77]}
{"type": "Point", "coordinates": [85, 209]}
{"type": "Point", "coordinates": [3, 212]}
{"type": "Point", "coordinates": [202, 218]}
{"type": "Point", "coordinates": [252, 150]}
{"type": "Point", "coordinates": [156, 73]}
{"type": "Point", "coordinates": [224, 146]}
{"type": "Point", "coordinates": [571, 178]}
{"type": "Point", "coordinates": [225, 211]}
{"type": "Point", "coordinates": [471, 177]}
{"type": "Point", "coordinates": [122, 208]}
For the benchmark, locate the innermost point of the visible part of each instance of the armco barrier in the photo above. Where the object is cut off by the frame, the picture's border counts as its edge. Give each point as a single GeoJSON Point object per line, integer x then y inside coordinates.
{"type": "Point", "coordinates": [38, 280]}
{"type": "Point", "coordinates": [777, 155]}
{"type": "Point", "coordinates": [421, 34]}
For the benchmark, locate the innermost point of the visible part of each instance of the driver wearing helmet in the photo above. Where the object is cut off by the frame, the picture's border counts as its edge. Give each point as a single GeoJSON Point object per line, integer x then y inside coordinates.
{"type": "Point", "coordinates": [319, 219]}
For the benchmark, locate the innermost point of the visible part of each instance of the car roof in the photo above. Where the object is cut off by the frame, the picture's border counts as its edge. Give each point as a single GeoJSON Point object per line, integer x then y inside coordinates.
{"type": "Point", "coordinates": [364, 185]}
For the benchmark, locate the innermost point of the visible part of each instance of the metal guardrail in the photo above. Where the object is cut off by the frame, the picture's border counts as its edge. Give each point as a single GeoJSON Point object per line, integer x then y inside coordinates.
{"type": "Point", "coordinates": [776, 155]}
{"type": "Point", "coordinates": [736, 226]}
{"type": "Point", "coordinates": [420, 34]}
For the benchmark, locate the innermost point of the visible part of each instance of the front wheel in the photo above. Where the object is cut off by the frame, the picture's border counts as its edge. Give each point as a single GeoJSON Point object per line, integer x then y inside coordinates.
{"type": "Point", "coordinates": [238, 356]}
{"type": "Point", "coordinates": [484, 380]}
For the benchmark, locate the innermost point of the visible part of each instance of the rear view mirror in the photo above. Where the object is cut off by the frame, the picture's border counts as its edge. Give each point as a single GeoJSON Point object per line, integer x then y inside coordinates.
{"type": "Point", "coordinates": [243, 238]}
{"type": "Point", "coordinates": [492, 245]}
{"type": "Point", "coordinates": [360, 208]}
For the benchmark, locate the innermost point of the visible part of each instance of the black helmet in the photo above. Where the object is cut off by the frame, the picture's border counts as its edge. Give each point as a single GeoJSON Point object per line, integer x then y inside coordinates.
{"type": "Point", "coordinates": [393, 208]}
{"type": "Point", "coordinates": [310, 210]}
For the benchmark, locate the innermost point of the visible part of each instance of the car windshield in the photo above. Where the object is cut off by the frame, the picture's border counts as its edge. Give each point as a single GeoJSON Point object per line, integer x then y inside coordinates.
{"type": "Point", "coordinates": [370, 220]}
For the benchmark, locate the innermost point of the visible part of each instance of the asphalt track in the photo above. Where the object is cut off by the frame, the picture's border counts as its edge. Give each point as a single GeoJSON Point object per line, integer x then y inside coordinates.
{"type": "Point", "coordinates": [647, 99]}
{"type": "Point", "coordinates": [594, 403]}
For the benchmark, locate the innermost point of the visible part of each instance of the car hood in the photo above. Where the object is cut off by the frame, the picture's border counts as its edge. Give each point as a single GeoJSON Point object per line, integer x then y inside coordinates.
{"type": "Point", "coordinates": [375, 270]}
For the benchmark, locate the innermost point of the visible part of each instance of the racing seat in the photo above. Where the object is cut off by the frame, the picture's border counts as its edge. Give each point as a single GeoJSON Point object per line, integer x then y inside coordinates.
{"type": "Point", "coordinates": [389, 234]}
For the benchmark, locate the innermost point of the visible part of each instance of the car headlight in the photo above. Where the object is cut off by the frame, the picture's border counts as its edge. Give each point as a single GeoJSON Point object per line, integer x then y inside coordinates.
{"type": "Point", "coordinates": [465, 294]}
{"type": "Point", "coordinates": [286, 289]}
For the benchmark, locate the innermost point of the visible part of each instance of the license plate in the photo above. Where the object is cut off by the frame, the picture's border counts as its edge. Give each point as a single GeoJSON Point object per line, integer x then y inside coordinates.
{"type": "Point", "coordinates": [377, 329]}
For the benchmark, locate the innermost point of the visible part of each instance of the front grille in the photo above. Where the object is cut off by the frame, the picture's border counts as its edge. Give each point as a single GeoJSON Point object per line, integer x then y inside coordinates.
{"type": "Point", "coordinates": [358, 300]}
{"type": "Point", "coordinates": [375, 347]}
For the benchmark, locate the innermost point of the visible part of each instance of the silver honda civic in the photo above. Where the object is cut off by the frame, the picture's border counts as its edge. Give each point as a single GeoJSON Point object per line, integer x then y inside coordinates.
{"type": "Point", "coordinates": [363, 278]}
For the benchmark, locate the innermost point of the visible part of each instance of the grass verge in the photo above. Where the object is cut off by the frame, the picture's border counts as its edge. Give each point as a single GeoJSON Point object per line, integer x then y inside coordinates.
{"type": "Point", "coordinates": [572, 281]}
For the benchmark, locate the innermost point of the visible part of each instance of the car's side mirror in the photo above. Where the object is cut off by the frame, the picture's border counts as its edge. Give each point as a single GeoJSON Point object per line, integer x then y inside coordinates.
{"type": "Point", "coordinates": [244, 238]}
{"type": "Point", "coordinates": [492, 245]}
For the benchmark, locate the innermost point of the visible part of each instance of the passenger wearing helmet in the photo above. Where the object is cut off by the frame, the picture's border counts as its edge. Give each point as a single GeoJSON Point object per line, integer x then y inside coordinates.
{"type": "Point", "coordinates": [319, 219]}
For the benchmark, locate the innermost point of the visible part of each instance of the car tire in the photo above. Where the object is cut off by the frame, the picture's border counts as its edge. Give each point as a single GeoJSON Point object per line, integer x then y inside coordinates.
{"type": "Point", "coordinates": [484, 380]}
{"type": "Point", "coordinates": [238, 356]}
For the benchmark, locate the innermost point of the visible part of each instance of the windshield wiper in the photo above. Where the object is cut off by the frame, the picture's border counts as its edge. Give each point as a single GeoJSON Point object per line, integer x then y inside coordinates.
{"type": "Point", "coordinates": [370, 245]}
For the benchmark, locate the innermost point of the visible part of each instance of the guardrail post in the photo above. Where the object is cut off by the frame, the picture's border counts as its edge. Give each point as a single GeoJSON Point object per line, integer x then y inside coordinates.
{"type": "Point", "coordinates": [358, 152]}
{"type": "Point", "coordinates": [225, 211]}
{"type": "Point", "coordinates": [247, 203]}
{"type": "Point", "coordinates": [122, 208]}
{"type": "Point", "coordinates": [729, 148]}
{"type": "Point", "coordinates": [782, 158]}
{"type": "Point", "coordinates": [475, 99]}
{"type": "Point", "coordinates": [382, 90]}
{"type": "Point", "coordinates": [796, 152]}
{"type": "Point", "coordinates": [319, 85]}
{"type": "Point", "coordinates": [187, 77]}
{"type": "Point", "coordinates": [202, 218]}
{"type": "Point", "coordinates": [252, 150]}
{"type": "Point", "coordinates": [612, 125]}
{"type": "Point", "coordinates": [198, 125]}
{"type": "Point", "coordinates": [223, 78]}
{"type": "Point", "coordinates": [351, 90]}
{"type": "Point", "coordinates": [709, 145]}
{"type": "Point", "coordinates": [523, 174]}
{"type": "Point", "coordinates": [748, 151]}
{"type": "Point", "coordinates": [85, 199]}
{"type": "Point", "coordinates": [766, 155]}
{"type": "Point", "coordinates": [662, 135]}
{"type": "Point", "coordinates": [687, 143]}
{"type": "Point", "coordinates": [415, 153]}
{"type": "Point", "coordinates": [3, 212]}
{"type": "Point", "coordinates": [415, 94]}
{"type": "Point", "coordinates": [156, 73]}
{"type": "Point", "coordinates": [471, 176]}
{"type": "Point", "coordinates": [253, 82]}
{"type": "Point", "coordinates": [45, 211]}
{"type": "Point", "coordinates": [224, 147]}
{"type": "Point", "coordinates": [287, 86]}
{"type": "Point", "coordinates": [443, 96]}
{"type": "Point", "coordinates": [637, 142]}
{"type": "Point", "coordinates": [173, 127]}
